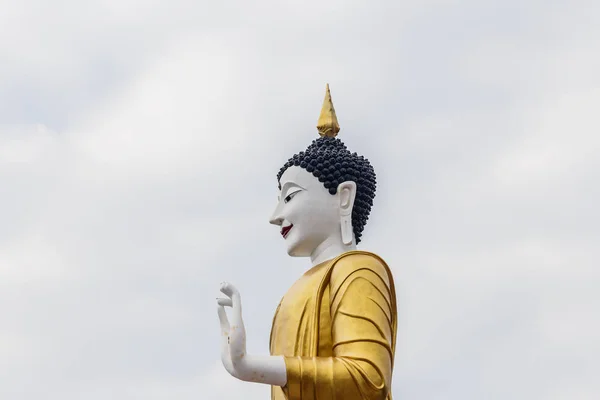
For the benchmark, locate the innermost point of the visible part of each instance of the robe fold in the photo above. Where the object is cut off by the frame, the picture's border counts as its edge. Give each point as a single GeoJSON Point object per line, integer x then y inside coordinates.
{"type": "Point", "coordinates": [336, 329]}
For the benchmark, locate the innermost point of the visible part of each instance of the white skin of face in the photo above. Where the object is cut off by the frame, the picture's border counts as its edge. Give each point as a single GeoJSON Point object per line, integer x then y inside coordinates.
{"type": "Point", "coordinates": [320, 228]}
{"type": "Point", "coordinates": [314, 215]}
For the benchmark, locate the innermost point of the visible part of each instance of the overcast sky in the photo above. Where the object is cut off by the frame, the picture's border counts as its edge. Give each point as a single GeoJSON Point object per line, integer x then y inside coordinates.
{"type": "Point", "coordinates": [139, 145]}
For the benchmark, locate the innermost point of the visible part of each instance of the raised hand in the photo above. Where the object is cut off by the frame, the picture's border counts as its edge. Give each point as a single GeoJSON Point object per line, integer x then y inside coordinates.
{"type": "Point", "coordinates": [264, 369]}
{"type": "Point", "coordinates": [233, 333]}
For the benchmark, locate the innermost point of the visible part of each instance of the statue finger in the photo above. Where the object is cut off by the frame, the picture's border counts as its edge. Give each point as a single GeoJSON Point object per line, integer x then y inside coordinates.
{"type": "Point", "coordinates": [225, 302]}
{"type": "Point", "coordinates": [237, 331]}
{"type": "Point", "coordinates": [223, 320]}
{"type": "Point", "coordinates": [234, 294]}
{"type": "Point", "coordinates": [228, 289]}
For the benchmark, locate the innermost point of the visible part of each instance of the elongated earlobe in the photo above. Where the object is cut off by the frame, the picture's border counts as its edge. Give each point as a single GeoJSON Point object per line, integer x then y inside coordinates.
{"type": "Point", "coordinates": [347, 233]}
{"type": "Point", "coordinates": [347, 191]}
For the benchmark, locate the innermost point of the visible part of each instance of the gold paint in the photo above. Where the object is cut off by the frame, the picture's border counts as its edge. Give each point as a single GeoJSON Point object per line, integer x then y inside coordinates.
{"type": "Point", "coordinates": [336, 329]}
{"type": "Point", "coordinates": [328, 123]}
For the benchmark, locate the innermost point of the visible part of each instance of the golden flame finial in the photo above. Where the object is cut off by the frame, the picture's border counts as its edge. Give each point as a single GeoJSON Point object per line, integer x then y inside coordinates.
{"type": "Point", "coordinates": [328, 123]}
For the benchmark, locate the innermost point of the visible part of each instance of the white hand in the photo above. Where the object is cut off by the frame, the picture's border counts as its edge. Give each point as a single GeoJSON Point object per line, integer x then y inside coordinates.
{"type": "Point", "coordinates": [233, 344]}
{"type": "Point", "coordinates": [264, 369]}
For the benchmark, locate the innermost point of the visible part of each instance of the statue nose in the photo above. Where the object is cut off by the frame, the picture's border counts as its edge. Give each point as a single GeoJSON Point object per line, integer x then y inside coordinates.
{"type": "Point", "coordinates": [277, 217]}
{"type": "Point", "coordinates": [276, 220]}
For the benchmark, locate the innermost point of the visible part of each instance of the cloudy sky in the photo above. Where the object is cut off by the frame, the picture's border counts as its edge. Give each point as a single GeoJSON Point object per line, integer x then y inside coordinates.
{"type": "Point", "coordinates": [139, 142]}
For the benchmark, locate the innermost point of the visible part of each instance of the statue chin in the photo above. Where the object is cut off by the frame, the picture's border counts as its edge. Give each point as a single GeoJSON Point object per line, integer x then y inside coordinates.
{"type": "Point", "coordinates": [298, 250]}
{"type": "Point", "coordinates": [300, 247]}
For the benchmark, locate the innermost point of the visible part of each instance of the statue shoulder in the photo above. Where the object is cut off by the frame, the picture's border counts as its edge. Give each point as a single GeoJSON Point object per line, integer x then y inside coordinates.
{"type": "Point", "coordinates": [354, 261]}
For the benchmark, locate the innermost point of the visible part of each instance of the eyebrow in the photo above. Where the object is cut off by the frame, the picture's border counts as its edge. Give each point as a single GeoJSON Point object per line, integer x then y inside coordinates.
{"type": "Point", "coordinates": [288, 185]}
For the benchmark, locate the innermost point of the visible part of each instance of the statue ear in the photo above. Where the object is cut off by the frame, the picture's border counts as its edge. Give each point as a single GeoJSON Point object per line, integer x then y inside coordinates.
{"type": "Point", "coordinates": [347, 194]}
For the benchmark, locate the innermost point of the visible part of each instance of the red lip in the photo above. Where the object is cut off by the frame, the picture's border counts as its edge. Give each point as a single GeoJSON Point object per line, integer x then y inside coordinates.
{"type": "Point", "coordinates": [285, 230]}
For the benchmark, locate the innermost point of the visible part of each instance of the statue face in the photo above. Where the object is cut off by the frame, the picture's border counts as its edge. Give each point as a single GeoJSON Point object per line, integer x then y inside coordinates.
{"type": "Point", "coordinates": [306, 212]}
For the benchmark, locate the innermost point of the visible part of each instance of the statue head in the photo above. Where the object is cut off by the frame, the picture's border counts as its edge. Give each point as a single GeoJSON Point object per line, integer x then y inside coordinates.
{"type": "Point", "coordinates": [326, 192]}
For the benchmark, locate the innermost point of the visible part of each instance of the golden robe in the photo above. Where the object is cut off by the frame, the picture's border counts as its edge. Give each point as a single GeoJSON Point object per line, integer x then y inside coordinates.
{"type": "Point", "coordinates": [336, 328]}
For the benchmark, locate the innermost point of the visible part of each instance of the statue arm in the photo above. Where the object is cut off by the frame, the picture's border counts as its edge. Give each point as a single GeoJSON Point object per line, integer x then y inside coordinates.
{"type": "Point", "coordinates": [270, 370]}
{"type": "Point", "coordinates": [363, 322]}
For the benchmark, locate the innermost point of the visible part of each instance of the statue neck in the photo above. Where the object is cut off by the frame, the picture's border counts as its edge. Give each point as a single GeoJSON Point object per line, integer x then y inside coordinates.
{"type": "Point", "coordinates": [330, 249]}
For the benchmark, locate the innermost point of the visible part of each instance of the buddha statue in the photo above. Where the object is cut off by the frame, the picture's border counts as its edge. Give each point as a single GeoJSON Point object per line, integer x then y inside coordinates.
{"type": "Point", "coordinates": [334, 331]}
